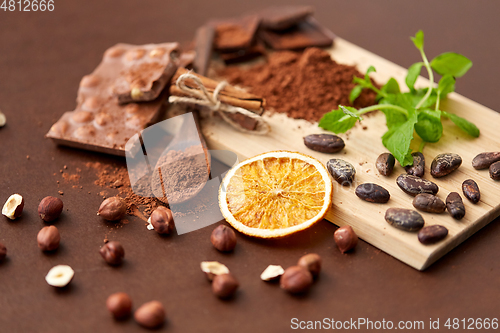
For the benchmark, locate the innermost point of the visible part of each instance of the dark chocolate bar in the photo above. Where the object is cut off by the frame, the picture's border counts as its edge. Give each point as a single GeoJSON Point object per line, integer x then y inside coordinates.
{"type": "Point", "coordinates": [235, 34]}
{"type": "Point", "coordinates": [284, 17]}
{"type": "Point", "coordinates": [252, 52]}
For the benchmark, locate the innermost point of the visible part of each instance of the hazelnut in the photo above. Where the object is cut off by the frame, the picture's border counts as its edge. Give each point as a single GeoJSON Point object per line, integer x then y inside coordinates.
{"type": "Point", "coordinates": [112, 209]}
{"type": "Point", "coordinates": [3, 119]}
{"type": "Point", "coordinates": [213, 268]}
{"type": "Point", "coordinates": [113, 253]}
{"type": "Point", "coordinates": [50, 208]}
{"type": "Point", "coordinates": [296, 279]}
{"type": "Point", "coordinates": [136, 93]}
{"type": "Point", "coordinates": [150, 314]}
{"type": "Point", "coordinates": [311, 262]}
{"type": "Point", "coordinates": [48, 238]}
{"type": "Point", "coordinates": [224, 285]}
{"type": "Point", "coordinates": [13, 207]}
{"type": "Point", "coordinates": [3, 252]}
{"type": "Point", "coordinates": [272, 272]}
{"type": "Point", "coordinates": [120, 305]}
{"type": "Point", "coordinates": [162, 220]}
{"type": "Point", "coordinates": [346, 238]}
{"type": "Point", "coordinates": [60, 276]}
{"type": "Point", "coordinates": [223, 238]}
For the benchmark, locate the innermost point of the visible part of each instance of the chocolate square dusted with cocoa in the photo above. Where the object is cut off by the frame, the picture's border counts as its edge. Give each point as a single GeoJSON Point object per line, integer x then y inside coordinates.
{"type": "Point", "coordinates": [284, 17]}
{"type": "Point", "coordinates": [235, 34]}
{"type": "Point", "coordinates": [99, 122]}
{"type": "Point", "coordinates": [145, 71]}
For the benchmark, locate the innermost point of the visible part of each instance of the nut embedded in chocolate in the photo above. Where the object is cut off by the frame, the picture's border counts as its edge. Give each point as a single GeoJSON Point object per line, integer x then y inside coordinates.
{"type": "Point", "coordinates": [3, 252]}
{"type": "Point", "coordinates": [385, 164]}
{"type": "Point", "coordinates": [311, 262]}
{"type": "Point", "coordinates": [50, 208]}
{"type": "Point", "coordinates": [48, 238]}
{"type": "Point", "coordinates": [162, 220]}
{"type": "Point", "coordinates": [471, 191]}
{"type": "Point", "coordinates": [345, 238]}
{"type": "Point", "coordinates": [224, 285]}
{"type": "Point", "coordinates": [444, 164]}
{"type": "Point", "coordinates": [296, 280]}
{"type": "Point", "coordinates": [112, 209]}
{"type": "Point", "coordinates": [324, 143]}
{"type": "Point", "coordinates": [13, 207]}
{"type": "Point", "coordinates": [429, 203]}
{"type": "Point", "coordinates": [223, 238]}
{"type": "Point", "coordinates": [417, 169]}
{"type": "Point", "coordinates": [455, 205]}
{"type": "Point", "coordinates": [432, 234]}
{"type": "Point", "coordinates": [113, 253]}
{"type": "Point", "coordinates": [485, 160]}
{"type": "Point", "coordinates": [150, 315]}
{"type": "Point", "coordinates": [120, 305]}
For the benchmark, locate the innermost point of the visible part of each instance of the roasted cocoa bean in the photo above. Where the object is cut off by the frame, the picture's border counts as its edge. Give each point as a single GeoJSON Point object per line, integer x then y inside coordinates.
{"type": "Point", "coordinates": [429, 203]}
{"type": "Point", "coordinates": [342, 171]}
{"type": "Point", "coordinates": [471, 191]}
{"type": "Point", "coordinates": [405, 219]}
{"type": "Point", "coordinates": [385, 164]}
{"type": "Point", "coordinates": [485, 160]}
{"type": "Point", "coordinates": [418, 167]}
{"type": "Point", "coordinates": [372, 193]}
{"type": "Point", "coordinates": [444, 164]}
{"type": "Point", "coordinates": [413, 185]}
{"type": "Point", "coordinates": [324, 143]}
{"type": "Point", "coordinates": [495, 171]}
{"type": "Point", "coordinates": [432, 234]}
{"type": "Point", "coordinates": [455, 205]}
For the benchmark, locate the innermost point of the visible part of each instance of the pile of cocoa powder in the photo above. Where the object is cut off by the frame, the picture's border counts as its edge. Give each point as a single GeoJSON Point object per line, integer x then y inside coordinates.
{"type": "Point", "coordinates": [302, 85]}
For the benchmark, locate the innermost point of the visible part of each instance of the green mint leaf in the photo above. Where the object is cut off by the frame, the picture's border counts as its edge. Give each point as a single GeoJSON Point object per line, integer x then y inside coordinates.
{"type": "Point", "coordinates": [413, 73]}
{"type": "Point", "coordinates": [397, 140]}
{"type": "Point", "coordinates": [391, 87]}
{"type": "Point", "coordinates": [429, 126]}
{"type": "Point", "coordinates": [331, 122]}
{"type": "Point", "coordinates": [451, 63]}
{"type": "Point", "coordinates": [411, 99]}
{"type": "Point", "coordinates": [418, 40]}
{"type": "Point", "coordinates": [446, 85]}
{"type": "Point", "coordinates": [463, 124]}
{"type": "Point", "coordinates": [355, 92]}
{"type": "Point", "coordinates": [350, 111]}
{"type": "Point", "coordinates": [393, 118]}
{"type": "Point", "coordinates": [367, 75]}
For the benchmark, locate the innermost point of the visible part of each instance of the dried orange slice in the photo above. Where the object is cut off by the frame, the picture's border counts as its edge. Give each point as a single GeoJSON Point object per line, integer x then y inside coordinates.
{"type": "Point", "coordinates": [275, 194]}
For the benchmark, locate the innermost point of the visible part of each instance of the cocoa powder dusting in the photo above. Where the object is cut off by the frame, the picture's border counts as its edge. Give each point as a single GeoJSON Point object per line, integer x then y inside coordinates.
{"type": "Point", "coordinates": [302, 85]}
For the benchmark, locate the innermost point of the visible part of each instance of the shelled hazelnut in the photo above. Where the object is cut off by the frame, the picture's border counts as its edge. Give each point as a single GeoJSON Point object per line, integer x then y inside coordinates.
{"type": "Point", "coordinates": [296, 280]}
{"type": "Point", "coordinates": [345, 238]}
{"type": "Point", "coordinates": [120, 305]}
{"type": "Point", "coordinates": [223, 238]}
{"type": "Point", "coordinates": [13, 207]}
{"type": "Point", "coordinates": [50, 208]}
{"type": "Point", "coordinates": [150, 315]}
{"type": "Point", "coordinates": [112, 209]}
{"type": "Point", "coordinates": [59, 276]}
{"type": "Point", "coordinates": [48, 238]}
{"type": "Point", "coordinates": [162, 220]}
{"type": "Point", "coordinates": [213, 268]}
{"type": "Point", "coordinates": [113, 253]}
{"type": "Point", "coordinates": [311, 262]}
{"type": "Point", "coordinates": [224, 285]}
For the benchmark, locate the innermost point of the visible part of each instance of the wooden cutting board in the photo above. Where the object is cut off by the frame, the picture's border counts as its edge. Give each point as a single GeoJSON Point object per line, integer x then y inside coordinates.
{"type": "Point", "coordinates": [362, 149]}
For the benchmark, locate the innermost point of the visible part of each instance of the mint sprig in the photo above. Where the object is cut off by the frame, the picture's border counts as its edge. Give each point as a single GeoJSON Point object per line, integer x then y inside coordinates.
{"type": "Point", "coordinates": [416, 111]}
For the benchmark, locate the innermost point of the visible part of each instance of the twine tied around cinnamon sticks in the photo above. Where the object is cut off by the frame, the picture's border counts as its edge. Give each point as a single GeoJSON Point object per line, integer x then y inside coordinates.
{"type": "Point", "coordinates": [201, 96]}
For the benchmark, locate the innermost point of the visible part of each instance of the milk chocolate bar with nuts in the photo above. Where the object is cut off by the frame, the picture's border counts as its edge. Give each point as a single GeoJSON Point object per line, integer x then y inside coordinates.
{"type": "Point", "coordinates": [145, 70]}
{"type": "Point", "coordinates": [99, 122]}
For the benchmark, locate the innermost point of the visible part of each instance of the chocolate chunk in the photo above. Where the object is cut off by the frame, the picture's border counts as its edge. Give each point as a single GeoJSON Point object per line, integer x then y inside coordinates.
{"type": "Point", "coordinates": [444, 164]}
{"type": "Point", "coordinates": [342, 171]}
{"type": "Point", "coordinates": [372, 193]}
{"type": "Point", "coordinates": [484, 160]}
{"type": "Point", "coordinates": [495, 171]}
{"type": "Point", "coordinates": [432, 234]}
{"type": "Point", "coordinates": [418, 167]}
{"type": "Point", "coordinates": [405, 219]}
{"type": "Point", "coordinates": [145, 71]}
{"type": "Point", "coordinates": [99, 122]}
{"type": "Point", "coordinates": [325, 143]}
{"type": "Point", "coordinates": [284, 17]}
{"type": "Point", "coordinates": [305, 34]}
{"type": "Point", "coordinates": [413, 185]}
{"type": "Point", "coordinates": [471, 190]}
{"type": "Point", "coordinates": [385, 164]}
{"type": "Point", "coordinates": [429, 203]}
{"type": "Point", "coordinates": [455, 205]}
{"type": "Point", "coordinates": [235, 34]}
{"type": "Point", "coordinates": [203, 40]}
{"type": "Point", "coordinates": [242, 55]}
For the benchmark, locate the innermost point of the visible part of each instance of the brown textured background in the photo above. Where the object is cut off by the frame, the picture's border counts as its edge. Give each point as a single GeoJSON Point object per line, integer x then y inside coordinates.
{"type": "Point", "coordinates": [42, 59]}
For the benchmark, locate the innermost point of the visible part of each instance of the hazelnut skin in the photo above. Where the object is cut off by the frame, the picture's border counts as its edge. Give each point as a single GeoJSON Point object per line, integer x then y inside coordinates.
{"type": "Point", "coordinates": [50, 208]}
{"type": "Point", "coordinates": [150, 314]}
{"type": "Point", "coordinates": [296, 280]}
{"type": "Point", "coordinates": [112, 209]}
{"type": "Point", "coordinates": [162, 220]}
{"type": "Point", "coordinates": [223, 238]}
{"type": "Point", "coordinates": [224, 285]}
{"type": "Point", "coordinates": [120, 305]}
{"type": "Point", "coordinates": [113, 253]}
{"type": "Point", "coordinates": [311, 262]}
{"type": "Point", "coordinates": [345, 238]}
{"type": "Point", "coordinates": [48, 238]}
